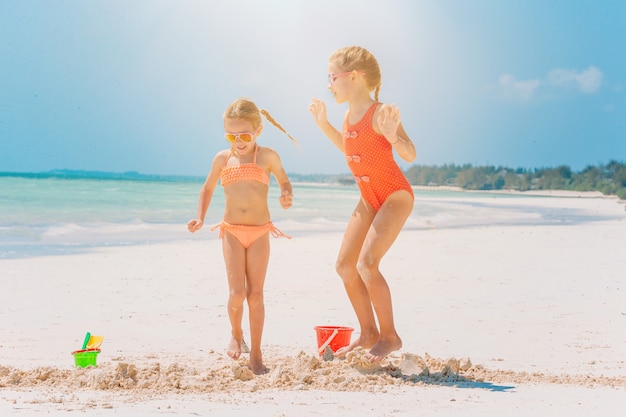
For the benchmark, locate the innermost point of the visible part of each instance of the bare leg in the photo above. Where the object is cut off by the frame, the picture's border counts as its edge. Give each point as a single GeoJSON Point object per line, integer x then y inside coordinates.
{"type": "Point", "coordinates": [235, 260]}
{"type": "Point", "coordinates": [383, 232]}
{"type": "Point", "coordinates": [346, 266]}
{"type": "Point", "coordinates": [257, 257]}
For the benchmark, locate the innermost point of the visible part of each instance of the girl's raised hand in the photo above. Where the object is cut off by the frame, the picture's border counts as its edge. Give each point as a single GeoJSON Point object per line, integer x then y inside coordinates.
{"type": "Point", "coordinates": [388, 121]}
{"type": "Point", "coordinates": [318, 110]}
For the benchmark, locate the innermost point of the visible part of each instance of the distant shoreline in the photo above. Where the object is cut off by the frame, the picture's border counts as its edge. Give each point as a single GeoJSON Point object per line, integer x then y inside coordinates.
{"type": "Point", "coordinates": [541, 193]}
{"type": "Point", "coordinates": [323, 180]}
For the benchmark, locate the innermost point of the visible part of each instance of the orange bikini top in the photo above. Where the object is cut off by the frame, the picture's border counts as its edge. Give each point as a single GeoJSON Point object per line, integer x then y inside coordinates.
{"type": "Point", "coordinates": [244, 172]}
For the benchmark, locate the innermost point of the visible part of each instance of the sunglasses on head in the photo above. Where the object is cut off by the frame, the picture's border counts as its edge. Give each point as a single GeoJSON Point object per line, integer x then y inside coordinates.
{"type": "Point", "coordinates": [245, 137]}
{"type": "Point", "coordinates": [332, 77]}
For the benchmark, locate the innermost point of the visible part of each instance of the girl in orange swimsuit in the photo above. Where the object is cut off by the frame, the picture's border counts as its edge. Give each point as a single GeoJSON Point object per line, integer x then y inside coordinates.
{"type": "Point", "coordinates": [370, 132]}
{"type": "Point", "coordinates": [244, 170]}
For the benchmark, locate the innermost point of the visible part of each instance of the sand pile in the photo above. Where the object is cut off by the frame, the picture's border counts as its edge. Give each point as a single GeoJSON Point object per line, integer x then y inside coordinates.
{"type": "Point", "coordinates": [300, 372]}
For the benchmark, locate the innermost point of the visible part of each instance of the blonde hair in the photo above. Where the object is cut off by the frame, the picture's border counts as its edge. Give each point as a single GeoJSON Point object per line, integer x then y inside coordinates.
{"type": "Point", "coordinates": [356, 58]}
{"type": "Point", "coordinates": [246, 110]}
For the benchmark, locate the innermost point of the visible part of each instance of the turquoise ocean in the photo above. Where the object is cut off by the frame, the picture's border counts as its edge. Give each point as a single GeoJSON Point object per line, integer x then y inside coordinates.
{"type": "Point", "coordinates": [56, 214]}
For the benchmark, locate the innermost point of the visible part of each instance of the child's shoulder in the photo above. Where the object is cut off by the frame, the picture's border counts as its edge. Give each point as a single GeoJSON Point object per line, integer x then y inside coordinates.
{"type": "Point", "coordinates": [379, 106]}
{"type": "Point", "coordinates": [223, 153]}
{"type": "Point", "coordinates": [222, 156]}
{"type": "Point", "coordinates": [266, 150]}
{"type": "Point", "coordinates": [267, 155]}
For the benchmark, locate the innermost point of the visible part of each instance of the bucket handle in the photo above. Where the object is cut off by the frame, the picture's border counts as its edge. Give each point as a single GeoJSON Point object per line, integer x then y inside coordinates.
{"type": "Point", "coordinates": [327, 342]}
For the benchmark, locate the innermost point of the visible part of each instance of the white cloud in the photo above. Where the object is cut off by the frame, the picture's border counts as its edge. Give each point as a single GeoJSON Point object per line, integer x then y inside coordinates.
{"type": "Point", "coordinates": [517, 90]}
{"type": "Point", "coordinates": [587, 81]}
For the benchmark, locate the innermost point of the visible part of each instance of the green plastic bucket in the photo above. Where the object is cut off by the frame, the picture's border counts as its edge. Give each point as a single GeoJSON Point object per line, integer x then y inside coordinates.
{"type": "Point", "coordinates": [85, 358]}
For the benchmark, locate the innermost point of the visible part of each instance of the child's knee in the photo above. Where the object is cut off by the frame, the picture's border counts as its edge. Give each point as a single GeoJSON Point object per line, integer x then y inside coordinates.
{"type": "Point", "coordinates": [236, 297]}
{"type": "Point", "coordinates": [344, 268]}
{"type": "Point", "coordinates": [255, 298]}
{"type": "Point", "coordinates": [367, 268]}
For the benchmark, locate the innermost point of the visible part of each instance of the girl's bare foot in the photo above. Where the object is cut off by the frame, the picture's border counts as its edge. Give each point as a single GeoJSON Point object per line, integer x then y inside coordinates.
{"type": "Point", "coordinates": [365, 341]}
{"type": "Point", "coordinates": [383, 348]}
{"type": "Point", "coordinates": [234, 348]}
{"type": "Point", "coordinates": [256, 365]}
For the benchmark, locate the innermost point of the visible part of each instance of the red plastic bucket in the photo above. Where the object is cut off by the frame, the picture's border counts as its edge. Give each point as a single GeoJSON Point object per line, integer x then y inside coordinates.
{"type": "Point", "coordinates": [335, 337]}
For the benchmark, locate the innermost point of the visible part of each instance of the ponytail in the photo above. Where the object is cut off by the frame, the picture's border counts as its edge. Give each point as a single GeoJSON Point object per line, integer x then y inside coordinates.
{"type": "Point", "coordinates": [276, 124]}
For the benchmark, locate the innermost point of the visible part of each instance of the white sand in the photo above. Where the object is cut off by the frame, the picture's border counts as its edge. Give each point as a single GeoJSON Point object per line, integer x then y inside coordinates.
{"type": "Point", "coordinates": [538, 310]}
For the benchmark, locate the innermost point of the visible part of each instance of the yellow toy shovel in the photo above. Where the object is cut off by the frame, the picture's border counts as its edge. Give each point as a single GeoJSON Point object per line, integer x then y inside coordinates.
{"type": "Point", "coordinates": [92, 342]}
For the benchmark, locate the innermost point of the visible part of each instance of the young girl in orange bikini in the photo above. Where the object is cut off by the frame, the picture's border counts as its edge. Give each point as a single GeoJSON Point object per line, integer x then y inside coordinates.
{"type": "Point", "coordinates": [370, 132]}
{"type": "Point", "coordinates": [245, 170]}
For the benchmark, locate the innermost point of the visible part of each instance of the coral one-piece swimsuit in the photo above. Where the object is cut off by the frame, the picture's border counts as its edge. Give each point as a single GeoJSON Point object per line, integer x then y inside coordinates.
{"type": "Point", "coordinates": [370, 159]}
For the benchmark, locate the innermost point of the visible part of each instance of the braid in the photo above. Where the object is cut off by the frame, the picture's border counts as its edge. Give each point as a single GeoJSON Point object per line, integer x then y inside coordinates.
{"type": "Point", "coordinates": [275, 123]}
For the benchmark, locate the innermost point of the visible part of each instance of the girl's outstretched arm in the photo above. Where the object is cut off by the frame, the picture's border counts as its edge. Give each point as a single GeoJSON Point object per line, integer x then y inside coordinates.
{"type": "Point", "coordinates": [206, 193]}
{"type": "Point", "coordinates": [286, 191]}
{"type": "Point", "coordinates": [318, 109]}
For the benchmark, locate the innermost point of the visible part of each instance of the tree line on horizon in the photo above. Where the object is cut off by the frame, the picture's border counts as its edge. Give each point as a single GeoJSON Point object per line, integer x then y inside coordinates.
{"type": "Point", "coordinates": [609, 179]}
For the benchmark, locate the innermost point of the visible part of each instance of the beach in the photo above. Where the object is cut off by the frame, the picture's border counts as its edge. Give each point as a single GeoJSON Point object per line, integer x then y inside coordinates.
{"type": "Point", "coordinates": [512, 313]}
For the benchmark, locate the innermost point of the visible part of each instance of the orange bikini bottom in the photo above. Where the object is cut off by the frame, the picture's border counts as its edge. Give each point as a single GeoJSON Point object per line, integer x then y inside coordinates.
{"type": "Point", "coordinates": [246, 234]}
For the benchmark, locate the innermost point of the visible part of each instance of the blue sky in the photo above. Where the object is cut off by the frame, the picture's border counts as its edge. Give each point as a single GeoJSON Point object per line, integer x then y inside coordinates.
{"type": "Point", "coordinates": [141, 85]}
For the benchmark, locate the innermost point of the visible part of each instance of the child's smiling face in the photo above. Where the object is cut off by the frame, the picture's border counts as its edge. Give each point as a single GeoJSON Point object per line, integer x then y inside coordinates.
{"type": "Point", "coordinates": [239, 127]}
